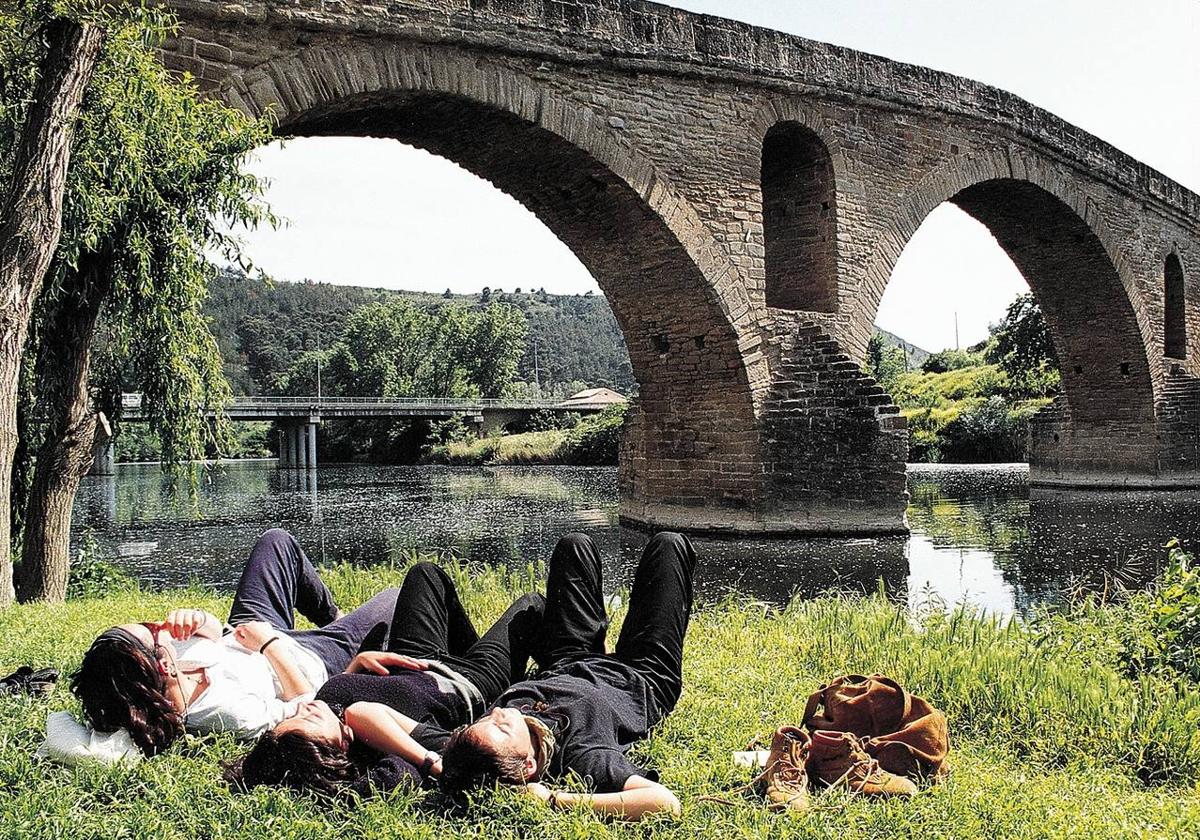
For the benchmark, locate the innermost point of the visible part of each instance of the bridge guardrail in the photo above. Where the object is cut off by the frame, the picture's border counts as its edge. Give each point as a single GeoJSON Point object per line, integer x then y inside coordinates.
{"type": "Point", "coordinates": [401, 402]}
{"type": "Point", "coordinates": [266, 404]}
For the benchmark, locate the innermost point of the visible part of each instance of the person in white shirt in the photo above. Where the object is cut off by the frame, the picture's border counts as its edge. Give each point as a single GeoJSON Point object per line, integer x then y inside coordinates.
{"type": "Point", "coordinates": [189, 673]}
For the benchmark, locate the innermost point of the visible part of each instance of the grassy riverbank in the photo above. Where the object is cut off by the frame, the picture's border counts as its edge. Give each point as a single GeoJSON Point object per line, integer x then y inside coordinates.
{"type": "Point", "coordinates": [592, 441]}
{"type": "Point", "coordinates": [1051, 738]}
{"type": "Point", "coordinates": [513, 450]}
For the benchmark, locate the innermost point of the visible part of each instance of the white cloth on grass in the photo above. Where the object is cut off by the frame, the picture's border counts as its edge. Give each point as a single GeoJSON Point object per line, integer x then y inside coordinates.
{"type": "Point", "coordinates": [71, 743]}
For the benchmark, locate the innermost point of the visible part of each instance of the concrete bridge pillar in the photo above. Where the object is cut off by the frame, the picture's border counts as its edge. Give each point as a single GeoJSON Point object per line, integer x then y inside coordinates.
{"type": "Point", "coordinates": [310, 442]}
{"type": "Point", "coordinates": [104, 461]}
{"type": "Point", "coordinates": [301, 447]}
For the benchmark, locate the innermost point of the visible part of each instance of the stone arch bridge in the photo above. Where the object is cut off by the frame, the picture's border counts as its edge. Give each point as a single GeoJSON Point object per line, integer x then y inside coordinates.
{"type": "Point", "coordinates": [741, 197]}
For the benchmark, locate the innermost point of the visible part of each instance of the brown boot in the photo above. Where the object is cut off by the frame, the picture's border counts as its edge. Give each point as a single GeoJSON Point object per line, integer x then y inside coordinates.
{"type": "Point", "coordinates": [838, 758]}
{"type": "Point", "coordinates": [785, 781]}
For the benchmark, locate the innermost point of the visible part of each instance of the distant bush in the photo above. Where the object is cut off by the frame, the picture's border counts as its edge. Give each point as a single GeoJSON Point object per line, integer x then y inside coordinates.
{"type": "Point", "coordinates": [985, 433]}
{"type": "Point", "coordinates": [597, 439]}
{"type": "Point", "coordinates": [544, 421]}
{"type": "Point", "coordinates": [948, 360]}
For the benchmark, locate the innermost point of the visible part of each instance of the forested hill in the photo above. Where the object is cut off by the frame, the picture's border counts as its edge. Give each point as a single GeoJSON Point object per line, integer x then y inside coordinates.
{"type": "Point", "coordinates": [262, 328]}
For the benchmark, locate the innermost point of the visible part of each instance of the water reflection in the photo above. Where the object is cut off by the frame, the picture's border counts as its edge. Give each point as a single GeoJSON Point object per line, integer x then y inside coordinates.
{"type": "Point", "coordinates": [979, 533]}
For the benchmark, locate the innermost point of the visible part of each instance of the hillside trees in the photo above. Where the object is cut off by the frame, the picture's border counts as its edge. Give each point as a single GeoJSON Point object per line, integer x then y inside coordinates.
{"type": "Point", "coordinates": [975, 406]}
{"type": "Point", "coordinates": [155, 166]}
{"type": "Point", "coordinates": [1022, 346]}
{"type": "Point", "coordinates": [49, 61]}
{"type": "Point", "coordinates": [394, 348]}
{"type": "Point", "coordinates": [264, 328]}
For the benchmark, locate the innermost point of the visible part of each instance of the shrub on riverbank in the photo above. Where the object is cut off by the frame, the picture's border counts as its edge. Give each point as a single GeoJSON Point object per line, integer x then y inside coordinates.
{"type": "Point", "coordinates": [593, 441]}
{"type": "Point", "coordinates": [964, 415]}
{"type": "Point", "coordinates": [1051, 735]}
{"type": "Point", "coordinates": [523, 449]}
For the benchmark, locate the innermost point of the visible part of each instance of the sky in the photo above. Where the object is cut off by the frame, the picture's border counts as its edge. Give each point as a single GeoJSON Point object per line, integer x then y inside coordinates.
{"type": "Point", "coordinates": [376, 213]}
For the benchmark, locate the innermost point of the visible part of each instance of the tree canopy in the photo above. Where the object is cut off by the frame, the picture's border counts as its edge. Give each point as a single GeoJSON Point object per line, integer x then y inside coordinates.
{"type": "Point", "coordinates": [394, 348]}
{"type": "Point", "coordinates": [1022, 346]}
{"type": "Point", "coordinates": [156, 175]}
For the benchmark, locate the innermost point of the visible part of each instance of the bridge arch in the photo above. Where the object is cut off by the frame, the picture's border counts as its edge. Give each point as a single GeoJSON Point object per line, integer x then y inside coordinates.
{"type": "Point", "coordinates": [1175, 308]}
{"type": "Point", "coordinates": [674, 292]}
{"type": "Point", "coordinates": [798, 182]}
{"type": "Point", "coordinates": [1073, 266]}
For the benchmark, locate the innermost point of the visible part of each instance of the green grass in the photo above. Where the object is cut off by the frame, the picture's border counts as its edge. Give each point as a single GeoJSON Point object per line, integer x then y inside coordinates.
{"type": "Point", "coordinates": [1049, 738]}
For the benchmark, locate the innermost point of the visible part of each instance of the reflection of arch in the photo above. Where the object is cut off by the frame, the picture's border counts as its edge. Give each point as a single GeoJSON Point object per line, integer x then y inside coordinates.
{"type": "Point", "coordinates": [1174, 318]}
{"type": "Point", "coordinates": [1070, 261]}
{"type": "Point", "coordinates": [674, 292]}
{"type": "Point", "coordinates": [799, 210]}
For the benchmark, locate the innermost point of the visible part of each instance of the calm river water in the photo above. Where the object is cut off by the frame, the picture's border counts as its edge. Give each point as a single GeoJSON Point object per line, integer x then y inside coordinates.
{"type": "Point", "coordinates": [979, 534]}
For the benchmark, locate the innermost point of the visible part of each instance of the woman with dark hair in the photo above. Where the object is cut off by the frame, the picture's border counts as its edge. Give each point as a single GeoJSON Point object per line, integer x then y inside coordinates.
{"type": "Point", "coordinates": [354, 736]}
{"type": "Point", "coordinates": [187, 672]}
{"type": "Point", "coordinates": [585, 708]}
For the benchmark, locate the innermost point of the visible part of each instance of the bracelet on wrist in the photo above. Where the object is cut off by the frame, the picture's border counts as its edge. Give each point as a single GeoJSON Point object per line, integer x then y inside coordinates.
{"type": "Point", "coordinates": [267, 643]}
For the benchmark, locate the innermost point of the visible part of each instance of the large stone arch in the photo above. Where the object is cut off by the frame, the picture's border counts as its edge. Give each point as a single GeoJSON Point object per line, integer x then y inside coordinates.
{"type": "Point", "coordinates": [691, 445]}
{"type": "Point", "coordinates": [1077, 272]}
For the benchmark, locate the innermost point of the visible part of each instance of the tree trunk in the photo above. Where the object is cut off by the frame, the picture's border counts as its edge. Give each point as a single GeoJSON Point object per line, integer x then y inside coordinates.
{"type": "Point", "coordinates": [31, 225]}
{"type": "Point", "coordinates": [73, 428]}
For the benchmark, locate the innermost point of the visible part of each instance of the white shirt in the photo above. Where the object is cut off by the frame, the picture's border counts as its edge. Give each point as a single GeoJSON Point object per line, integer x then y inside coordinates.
{"type": "Point", "coordinates": [244, 695]}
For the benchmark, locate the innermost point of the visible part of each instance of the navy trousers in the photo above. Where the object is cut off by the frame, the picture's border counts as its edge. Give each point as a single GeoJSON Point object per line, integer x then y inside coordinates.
{"type": "Point", "coordinates": [279, 580]}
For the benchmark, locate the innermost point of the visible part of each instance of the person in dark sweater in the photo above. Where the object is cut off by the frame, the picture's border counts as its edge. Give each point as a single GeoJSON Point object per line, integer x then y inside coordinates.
{"type": "Point", "coordinates": [585, 708]}
{"type": "Point", "coordinates": [436, 670]}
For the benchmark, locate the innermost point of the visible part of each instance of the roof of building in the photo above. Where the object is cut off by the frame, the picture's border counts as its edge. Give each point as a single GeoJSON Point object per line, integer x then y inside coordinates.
{"type": "Point", "coordinates": [592, 396]}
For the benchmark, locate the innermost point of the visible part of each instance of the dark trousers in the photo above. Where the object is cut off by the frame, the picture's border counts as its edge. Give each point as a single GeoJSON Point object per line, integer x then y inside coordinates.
{"type": "Point", "coordinates": [279, 580]}
{"type": "Point", "coordinates": [430, 623]}
{"type": "Point", "coordinates": [660, 605]}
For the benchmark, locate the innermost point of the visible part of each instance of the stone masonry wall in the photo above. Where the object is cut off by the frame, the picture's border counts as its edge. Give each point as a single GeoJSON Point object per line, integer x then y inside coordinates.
{"type": "Point", "coordinates": [668, 111]}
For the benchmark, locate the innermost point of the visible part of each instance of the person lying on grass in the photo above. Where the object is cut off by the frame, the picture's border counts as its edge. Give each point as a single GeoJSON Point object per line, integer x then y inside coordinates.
{"type": "Point", "coordinates": [436, 670]}
{"type": "Point", "coordinates": [186, 673]}
{"type": "Point", "coordinates": [581, 714]}
{"type": "Point", "coordinates": [585, 708]}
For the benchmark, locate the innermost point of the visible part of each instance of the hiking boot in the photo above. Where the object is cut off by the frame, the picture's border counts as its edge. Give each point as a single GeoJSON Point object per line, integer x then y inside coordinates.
{"type": "Point", "coordinates": [785, 781]}
{"type": "Point", "coordinates": [838, 758]}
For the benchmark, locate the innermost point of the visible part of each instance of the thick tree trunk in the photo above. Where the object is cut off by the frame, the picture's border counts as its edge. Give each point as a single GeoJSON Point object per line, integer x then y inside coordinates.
{"type": "Point", "coordinates": [73, 428]}
{"type": "Point", "coordinates": [30, 228]}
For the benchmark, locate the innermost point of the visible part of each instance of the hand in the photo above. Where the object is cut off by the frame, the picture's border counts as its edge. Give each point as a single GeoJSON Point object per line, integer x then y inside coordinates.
{"type": "Point", "coordinates": [183, 624]}
{"type": "Point", "coordinates": [540, 792]}
{"type": "Point", "coordinates": [254, 634]}
{"type": "Point", "coordinates": [378, 662]}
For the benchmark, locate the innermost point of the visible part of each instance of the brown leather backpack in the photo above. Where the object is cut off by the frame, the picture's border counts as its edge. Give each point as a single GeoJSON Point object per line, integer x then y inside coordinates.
{"type": "Point", "coordinates": [904, 733]}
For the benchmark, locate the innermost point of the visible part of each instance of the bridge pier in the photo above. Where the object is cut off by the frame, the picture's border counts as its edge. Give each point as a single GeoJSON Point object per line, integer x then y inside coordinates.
{"type": "Point", "coordinates": [104, 461]}
{"type": "Point", "coordinates": [298, 444]}
{"type": "Point", "coordinates": [301, 448]}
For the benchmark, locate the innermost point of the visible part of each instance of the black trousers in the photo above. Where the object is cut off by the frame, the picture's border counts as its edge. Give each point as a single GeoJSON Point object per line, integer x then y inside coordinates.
{"type": "Point", "coordinates": [430, 623]}
{"type": "Point", "coordinates": [660, 605]}
{"type": "Point", "coordinates": [278, 580]}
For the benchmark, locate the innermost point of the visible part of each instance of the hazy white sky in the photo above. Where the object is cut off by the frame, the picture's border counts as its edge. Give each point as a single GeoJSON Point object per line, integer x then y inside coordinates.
{"type": "Point", "coordinates": [376, 213]}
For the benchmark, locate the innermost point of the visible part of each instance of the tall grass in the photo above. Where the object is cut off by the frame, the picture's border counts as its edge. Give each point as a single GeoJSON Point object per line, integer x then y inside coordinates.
{"type": "Point", "coordinates": [517, 450]}
{"type": "Point", "coordinates": [1050, 738]}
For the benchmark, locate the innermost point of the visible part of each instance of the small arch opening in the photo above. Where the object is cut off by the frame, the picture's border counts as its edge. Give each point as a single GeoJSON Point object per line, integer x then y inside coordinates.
{"type": "Point", "coordinates": [799, 220]}
{"type": "Point", "coordinates": [1174, 319]}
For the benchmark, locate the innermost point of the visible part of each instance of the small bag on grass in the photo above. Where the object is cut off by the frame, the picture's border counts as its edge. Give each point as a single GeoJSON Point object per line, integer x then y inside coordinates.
{"type": "Point", "coordinates": [903, 732]}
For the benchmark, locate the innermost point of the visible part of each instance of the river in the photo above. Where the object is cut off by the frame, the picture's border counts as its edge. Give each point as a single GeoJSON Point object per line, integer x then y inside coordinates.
{"type": "Point", "coordinates": [980, 534]}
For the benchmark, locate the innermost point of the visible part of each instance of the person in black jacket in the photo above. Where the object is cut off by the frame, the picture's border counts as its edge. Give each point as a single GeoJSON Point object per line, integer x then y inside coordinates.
{"type": "Point", "coordinates": [586, 708]}
{"type": "Point", "coordinates": [436, 670]}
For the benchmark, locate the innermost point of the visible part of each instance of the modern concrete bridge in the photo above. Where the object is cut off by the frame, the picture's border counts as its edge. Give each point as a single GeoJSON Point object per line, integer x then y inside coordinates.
{"type": "Point", "coordinates": [741, 196]}
{"type": "Point", "coordinates": [299, 417]}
